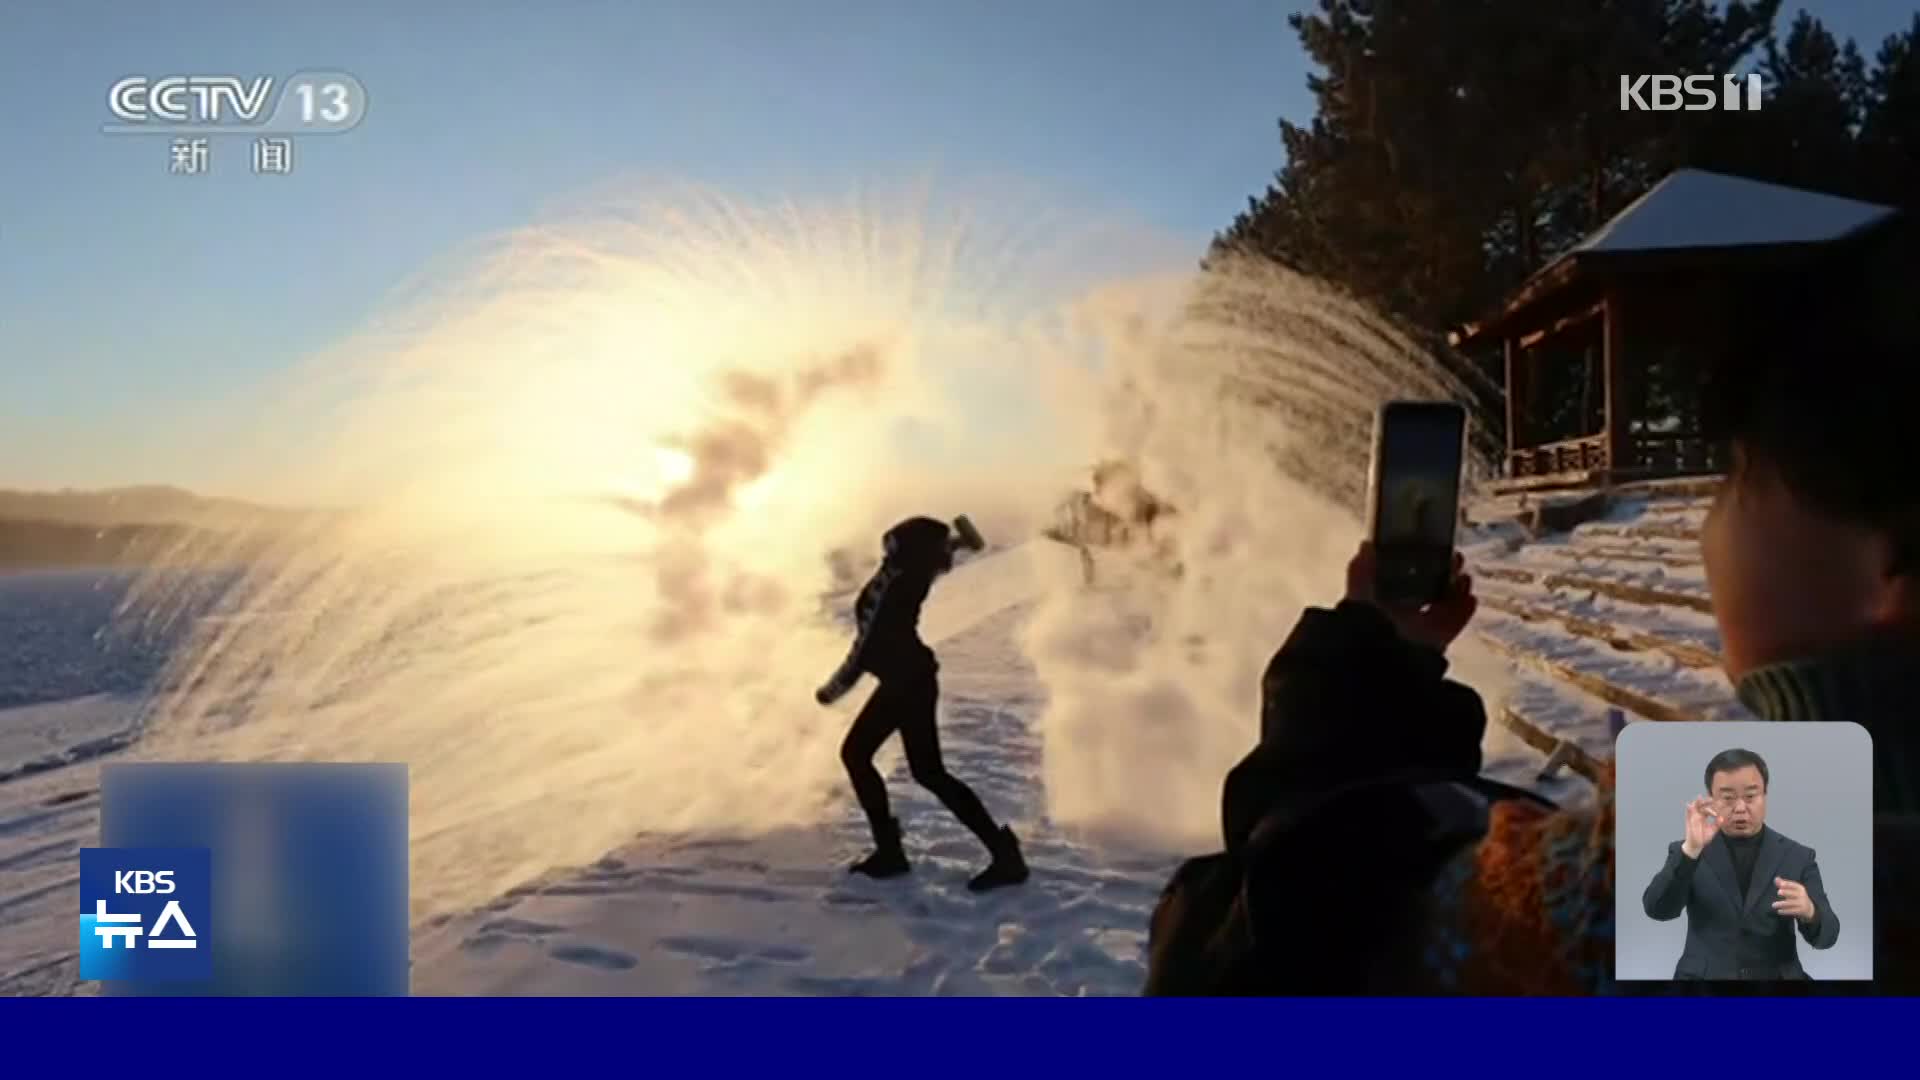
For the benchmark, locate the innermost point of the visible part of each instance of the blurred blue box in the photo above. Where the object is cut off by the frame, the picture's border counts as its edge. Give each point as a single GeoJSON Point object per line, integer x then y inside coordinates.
{"type": "Point", "coordinates": [309, 868]}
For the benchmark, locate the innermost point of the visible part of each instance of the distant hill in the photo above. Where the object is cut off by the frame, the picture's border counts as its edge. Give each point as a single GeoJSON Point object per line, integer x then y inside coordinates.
{"type": "Point", "coordinates": [122, 527]}
{"type": "Point", "coordinates": [156, 505]}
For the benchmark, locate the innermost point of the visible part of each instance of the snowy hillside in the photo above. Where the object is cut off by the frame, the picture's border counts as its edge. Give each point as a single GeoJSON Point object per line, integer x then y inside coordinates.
{"type": "Point", "coordinates": [772, 914]}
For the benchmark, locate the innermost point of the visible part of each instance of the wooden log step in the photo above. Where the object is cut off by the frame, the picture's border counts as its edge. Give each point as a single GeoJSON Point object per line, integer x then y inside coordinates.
{"type": "Point", "coordinates": [1619, 590]}
{"type": "Point", "coordinates": [1664, 530]}
{"type": "Point", "coordinates": [1628, 554]}
{"type": "Point", "coordinates": [1547, 743]}
{"type": "Point", "coordinates": [1609, 692]}
{"type": "Point", "coordinates": [1687, 654]}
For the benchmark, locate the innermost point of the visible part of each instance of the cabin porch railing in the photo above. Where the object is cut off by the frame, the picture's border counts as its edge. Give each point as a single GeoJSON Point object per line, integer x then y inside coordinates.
{"type": "Point", "coordinates": [1585, 454]}
{"type": "Point", "coordinates": [1672, 455]}
{"type": "Point", "coordinates": [1643, 455]}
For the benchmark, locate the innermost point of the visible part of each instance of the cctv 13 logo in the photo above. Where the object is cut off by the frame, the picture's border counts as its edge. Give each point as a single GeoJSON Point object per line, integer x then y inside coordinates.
{"type": "Point", "coordinates": [146, 914]}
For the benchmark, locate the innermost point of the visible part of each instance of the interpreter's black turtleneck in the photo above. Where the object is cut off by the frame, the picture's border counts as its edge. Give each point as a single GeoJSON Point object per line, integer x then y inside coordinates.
{"type": "Point", "coordinates": [1744, 850]}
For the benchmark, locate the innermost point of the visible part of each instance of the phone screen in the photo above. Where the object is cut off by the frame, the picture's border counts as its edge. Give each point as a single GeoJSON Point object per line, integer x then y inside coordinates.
{"type": "Point", "coordinates": [1418, 501]}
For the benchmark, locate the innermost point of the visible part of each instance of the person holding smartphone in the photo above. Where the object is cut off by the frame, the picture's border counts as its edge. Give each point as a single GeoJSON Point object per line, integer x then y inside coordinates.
{"type": "Point", "coordinates": [1367, 769]}
{"type": "Point", "coordinates": [1365, 778]}
{"type": "Point", "coordinates": [888, 646]}
{"type": "Point", "coordinates": [1812, 555]}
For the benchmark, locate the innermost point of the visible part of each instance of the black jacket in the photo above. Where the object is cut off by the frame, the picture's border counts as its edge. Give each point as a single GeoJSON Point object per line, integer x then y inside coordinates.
{"type": "Point", "coordinates": [887, 610]}
{"type": "Point", "coordinates": [1736, 936]}
{"type": "Point", "coordinates": [1364, 782]}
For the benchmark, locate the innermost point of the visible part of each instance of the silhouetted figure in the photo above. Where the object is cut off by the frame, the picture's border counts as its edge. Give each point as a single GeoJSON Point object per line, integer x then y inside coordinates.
{"type": "Point", "coordinates": [918, 550]}
{"type": "Point", "coordinates": [1119, 513]}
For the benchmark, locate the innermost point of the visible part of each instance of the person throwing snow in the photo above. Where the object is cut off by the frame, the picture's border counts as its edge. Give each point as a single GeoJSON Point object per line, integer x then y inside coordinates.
{"type": "Point", "coordinates": [888, 647]}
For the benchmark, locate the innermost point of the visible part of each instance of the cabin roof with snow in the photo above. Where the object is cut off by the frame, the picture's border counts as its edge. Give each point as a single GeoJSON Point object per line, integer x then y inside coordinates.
{"type": "Point", "coordinates": [1697, 213]}
{"type": "Point", "coordinates": [1693, 208]}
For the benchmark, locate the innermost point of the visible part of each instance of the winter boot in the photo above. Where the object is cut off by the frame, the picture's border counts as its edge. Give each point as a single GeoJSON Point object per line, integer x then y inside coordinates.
{"type": "Point", "coordinates": [1009, 867]}
{"type": "Point", "coordinates": [889, 858]}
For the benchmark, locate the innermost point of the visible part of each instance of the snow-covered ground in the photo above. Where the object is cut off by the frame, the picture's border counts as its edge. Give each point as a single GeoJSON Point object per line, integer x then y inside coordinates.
{"type": "Point", "coordinates": [776, 913]}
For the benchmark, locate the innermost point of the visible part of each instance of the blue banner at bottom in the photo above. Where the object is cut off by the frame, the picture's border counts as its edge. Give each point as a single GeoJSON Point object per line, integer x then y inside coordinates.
{"type": "Point", "coordinates": [926, 1038]}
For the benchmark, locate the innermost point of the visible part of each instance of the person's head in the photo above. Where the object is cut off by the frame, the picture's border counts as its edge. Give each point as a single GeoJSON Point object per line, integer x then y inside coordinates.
{"type": "Point", "coordinates": [1813, 543]}
{"type": "Point", "coordinates": [1737, 785]}
{"type": "Point", "coordinates": [922, 543]}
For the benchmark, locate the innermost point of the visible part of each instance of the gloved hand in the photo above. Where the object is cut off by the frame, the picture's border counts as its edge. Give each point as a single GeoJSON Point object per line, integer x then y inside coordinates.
{"type": "Point", "coordinates": [966, 536]}
{"type": "Point", "coordinates": [837, 687]}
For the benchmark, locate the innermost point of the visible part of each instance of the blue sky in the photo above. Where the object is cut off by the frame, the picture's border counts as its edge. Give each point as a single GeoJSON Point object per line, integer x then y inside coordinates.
{"type": "Point", "coordinates": [129, 297]}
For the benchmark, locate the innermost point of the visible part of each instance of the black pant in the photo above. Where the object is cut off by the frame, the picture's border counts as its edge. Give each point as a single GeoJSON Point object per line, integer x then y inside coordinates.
{"type": "Point", "coordinates": [908, 703]}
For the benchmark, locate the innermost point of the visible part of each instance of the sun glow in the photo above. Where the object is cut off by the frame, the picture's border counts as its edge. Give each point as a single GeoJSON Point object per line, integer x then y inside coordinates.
{"type": "Point", "coordinates": [672, 467]}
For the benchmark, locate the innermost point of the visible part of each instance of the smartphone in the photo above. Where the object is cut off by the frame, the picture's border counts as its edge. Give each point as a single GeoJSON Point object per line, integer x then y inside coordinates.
{"type": "Point", "coordinates": [1419, 452]}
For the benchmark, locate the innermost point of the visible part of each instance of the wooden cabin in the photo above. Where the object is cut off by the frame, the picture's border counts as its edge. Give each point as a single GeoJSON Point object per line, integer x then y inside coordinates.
{"type": "Point", "coordinates": [1605, 349]}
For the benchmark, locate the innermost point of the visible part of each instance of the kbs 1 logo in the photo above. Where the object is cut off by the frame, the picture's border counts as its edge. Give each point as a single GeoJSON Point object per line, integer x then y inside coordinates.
{"type": "Point", "coordinates": [1693, 93]}
{"type": "Point", "coordinates": [145, 914]}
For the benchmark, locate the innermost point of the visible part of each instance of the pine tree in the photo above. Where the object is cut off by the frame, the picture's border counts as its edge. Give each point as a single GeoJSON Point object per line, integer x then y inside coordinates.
{"type": "Point", "coordinates": [1890, 125]}
{"type": "Point", "coordinates": [1457, 147]}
